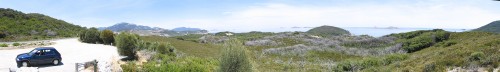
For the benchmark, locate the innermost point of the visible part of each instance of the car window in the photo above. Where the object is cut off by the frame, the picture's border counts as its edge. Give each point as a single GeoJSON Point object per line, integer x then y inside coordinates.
{"type": "Point", "coordinates": [33, 52]}
{"type": "Point", "coordinates": [49, 52]}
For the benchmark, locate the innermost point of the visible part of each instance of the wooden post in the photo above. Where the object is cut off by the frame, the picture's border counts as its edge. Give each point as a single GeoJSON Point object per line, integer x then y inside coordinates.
{"type": "Point", "coordinates": [95, 66]}
{"type": "Point", "coordinates": [76, 67]}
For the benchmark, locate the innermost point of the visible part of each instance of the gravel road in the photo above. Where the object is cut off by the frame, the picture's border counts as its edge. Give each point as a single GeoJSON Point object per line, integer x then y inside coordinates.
{"type": "Point", "coordinates": [72, 51]}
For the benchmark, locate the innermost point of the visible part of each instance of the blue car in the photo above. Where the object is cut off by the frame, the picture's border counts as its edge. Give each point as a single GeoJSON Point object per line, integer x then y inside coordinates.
{"type": "Point", "coordinates": [41, 55]}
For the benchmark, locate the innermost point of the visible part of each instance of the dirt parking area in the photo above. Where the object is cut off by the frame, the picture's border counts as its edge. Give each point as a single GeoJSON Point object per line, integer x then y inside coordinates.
{"type": "Point", "coordinates": [72, 51]}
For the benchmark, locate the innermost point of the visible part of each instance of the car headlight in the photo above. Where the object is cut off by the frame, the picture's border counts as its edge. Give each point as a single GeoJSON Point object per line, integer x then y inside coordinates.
{"type": "Point", "coordinates": [17, 59]}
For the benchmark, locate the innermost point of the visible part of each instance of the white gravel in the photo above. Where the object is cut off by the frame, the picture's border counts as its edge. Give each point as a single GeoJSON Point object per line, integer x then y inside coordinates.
{"type": "Point", "coordinates": [72, 51]}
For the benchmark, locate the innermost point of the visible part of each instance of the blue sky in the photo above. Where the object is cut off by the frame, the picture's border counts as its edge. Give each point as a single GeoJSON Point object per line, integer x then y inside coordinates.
{"type": "Point", "coordinates": [250, 15]}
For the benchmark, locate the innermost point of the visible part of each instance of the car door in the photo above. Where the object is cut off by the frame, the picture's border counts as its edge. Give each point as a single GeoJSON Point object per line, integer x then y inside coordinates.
{"type": "Point", "coordinates": [37, 58]}
{"type": "Point", "coordinates": [45, 57]}
{"type": "Point", "coordinates": [50, 55]}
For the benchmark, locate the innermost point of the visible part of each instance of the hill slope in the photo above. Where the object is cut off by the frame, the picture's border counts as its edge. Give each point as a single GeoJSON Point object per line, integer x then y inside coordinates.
{"type": "Point", "coordinates": [327, 31]}
{"type": "Point", "coordinates": [491, 27]}
{"type": "Point", "coordinates": [16, 25]}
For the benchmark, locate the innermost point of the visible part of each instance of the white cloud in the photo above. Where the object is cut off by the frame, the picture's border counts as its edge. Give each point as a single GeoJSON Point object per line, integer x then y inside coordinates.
{"type": "Point", "coordinates": [268, 16]}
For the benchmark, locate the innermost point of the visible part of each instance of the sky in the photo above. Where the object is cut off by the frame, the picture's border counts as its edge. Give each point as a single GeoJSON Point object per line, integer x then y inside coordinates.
{"type": "Point", "coordinates": [258, 15]}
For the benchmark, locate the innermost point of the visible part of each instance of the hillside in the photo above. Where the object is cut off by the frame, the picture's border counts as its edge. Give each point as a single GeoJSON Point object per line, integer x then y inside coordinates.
{"type": "Point", "coordinates": [16, 25]}
{"type": "Point", "coordinates": [327, 31]}
{"type": "Point", "coordinates": [127, 27]}
{"type": "Point", "coordinates": [491, 27]}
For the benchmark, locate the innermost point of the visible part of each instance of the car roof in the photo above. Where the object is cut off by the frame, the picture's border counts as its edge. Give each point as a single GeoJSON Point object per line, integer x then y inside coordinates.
{"type": "Point", "coordinates": [44, 48]}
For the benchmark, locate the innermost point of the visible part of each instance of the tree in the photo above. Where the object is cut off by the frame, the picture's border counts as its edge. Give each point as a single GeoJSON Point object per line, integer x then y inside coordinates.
{"type": "Point", "coordinates": [92, 36]}
{"type": "Point", "coordinates": [126, 44]}
{"type": "Point", "coordinates": [107, 37]}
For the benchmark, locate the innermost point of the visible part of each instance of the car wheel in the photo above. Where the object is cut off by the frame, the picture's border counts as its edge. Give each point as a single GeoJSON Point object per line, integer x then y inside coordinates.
{"type": "Point", "coordinates": [24, 64]}
{"type": "Point", "coordinates": [55, 62]}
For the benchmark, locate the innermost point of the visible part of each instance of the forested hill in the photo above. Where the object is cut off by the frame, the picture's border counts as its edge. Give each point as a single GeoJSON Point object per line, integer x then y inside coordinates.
{"type": "Point", "coordinates": [16, 26]}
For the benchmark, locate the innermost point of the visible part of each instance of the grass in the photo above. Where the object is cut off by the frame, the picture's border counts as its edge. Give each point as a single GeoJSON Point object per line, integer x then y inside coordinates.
{"type": "Point", "coordinates": [188, 47]}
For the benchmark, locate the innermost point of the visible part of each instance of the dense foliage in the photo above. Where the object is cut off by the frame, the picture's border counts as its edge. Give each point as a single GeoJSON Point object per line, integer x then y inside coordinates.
{"type": "Point", "coordinates": [16, 25]}
{"type": "Point", "coordinates": [127, 44]}
{"type": "Point", "coordinates": [491, 27]}
{"type": "Point", "coordinates": [90, 36]}
{"type": "Point", "coordinates": [107, 37]}
{"type": "Point", "coordinates": [417, 40]}
{"type": "Point", "coordinates": [327, 31]}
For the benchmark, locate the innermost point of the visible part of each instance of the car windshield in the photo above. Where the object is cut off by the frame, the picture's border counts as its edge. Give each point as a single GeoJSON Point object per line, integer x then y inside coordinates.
{"type": "Point", "coordinates": [32, 52]}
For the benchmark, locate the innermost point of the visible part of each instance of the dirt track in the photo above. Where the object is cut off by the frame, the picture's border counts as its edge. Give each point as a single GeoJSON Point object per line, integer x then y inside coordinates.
{"type": "Point", "coordinates": [72, 51]}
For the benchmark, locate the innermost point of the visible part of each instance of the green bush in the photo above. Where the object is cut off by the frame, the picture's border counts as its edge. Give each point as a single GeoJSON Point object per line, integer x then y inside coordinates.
{"type": "Point", "coordinates": [389, 59]}
{"type": "Point", "coordinates": [130, 67]}
{"type": "Point", "coordinates": [430, 68]}
{"type": "Point", "coordinates": [476, 56]}
{"type": "Point", "coordinates": [234, 58]}
{"type": "Point", "coordinates": [16, 44]}
{"type": "Point", "coordinates": [107, 37]}
{"type": "Point", "coordinates": [418, 40]}
{"type": "Point", "coordinates": [4, 45]}
{"type": "Point", "coordinates": [345, 66]}
{"type": "Point", "coordinates": [165, 49]}
{"type": "Point", "coordinates": [127, 44]}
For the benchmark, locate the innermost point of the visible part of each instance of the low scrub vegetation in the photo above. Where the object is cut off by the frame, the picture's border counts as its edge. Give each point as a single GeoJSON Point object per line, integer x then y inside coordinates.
{"type": "Point", "coordinates": [418, 40]}
{"type": "Point", "coordinates": [16, 44]}
{"type": "Point", "coordinates": [370, 62]}
{"type": "Point", "coordinates": [4, 45]}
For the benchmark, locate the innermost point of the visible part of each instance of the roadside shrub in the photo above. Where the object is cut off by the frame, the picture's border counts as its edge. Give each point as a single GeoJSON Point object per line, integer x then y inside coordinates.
{"type": "Point", "coordinates": [4, 45]}
{"type": "Point", "coordinates": [90, 36]}
{"type": "Point", "coordinates": [16, 44]}
{"type": "Point", "coordinates": [127, 44]}
{"type": "Point", "coordinates": [107, 37]}
{"type": "Point", "coordinates": [234, 58]}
